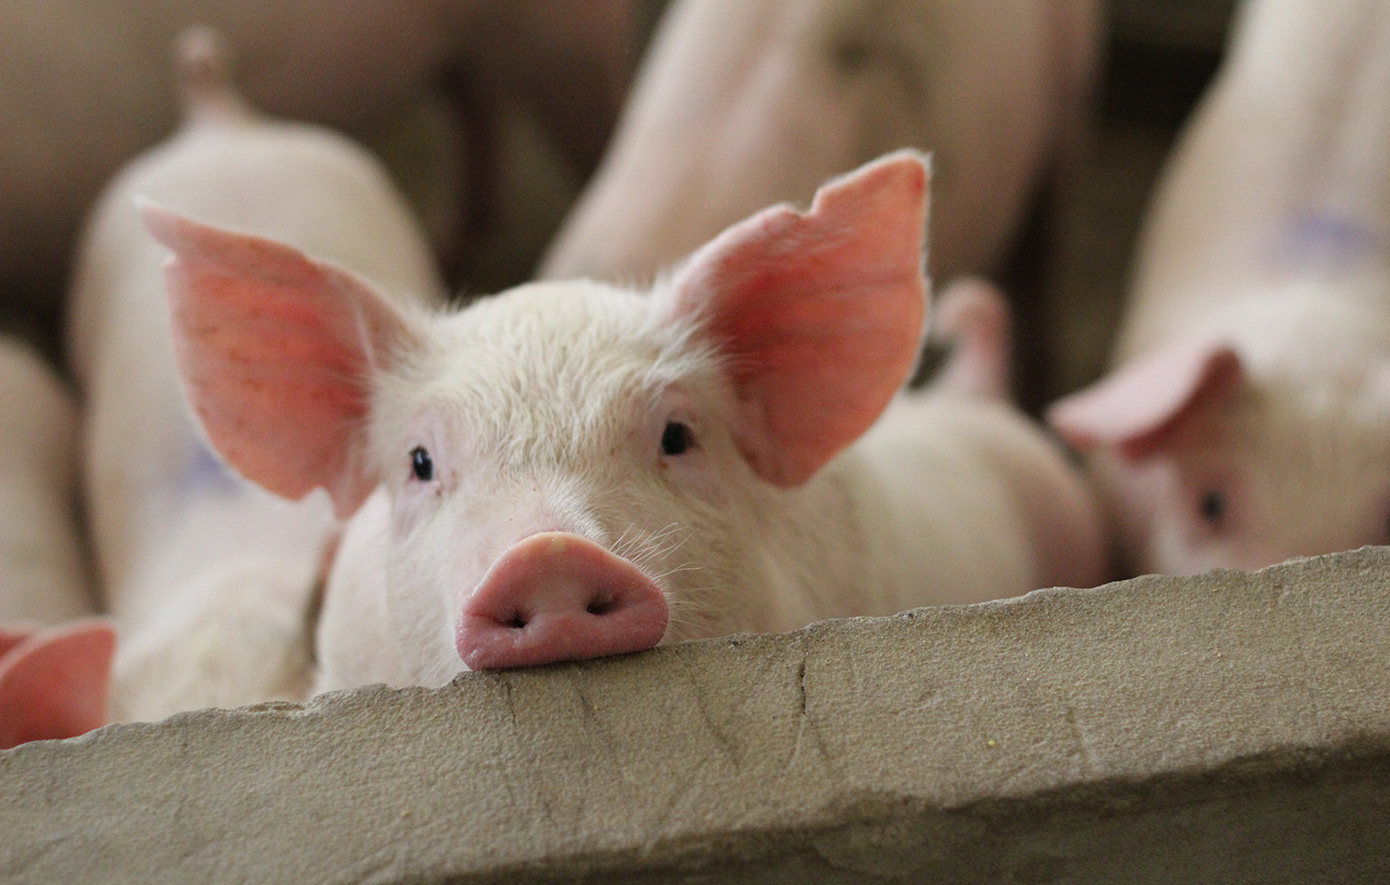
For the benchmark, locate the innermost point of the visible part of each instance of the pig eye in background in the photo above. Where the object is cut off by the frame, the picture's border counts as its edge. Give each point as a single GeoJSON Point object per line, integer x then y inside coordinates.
{"type": "Point", "coordinates": [421, 465]}
{"type": "Point", "coordinates": [677, 438]}
{"type": "Point", "coordinates": [1212, 506]}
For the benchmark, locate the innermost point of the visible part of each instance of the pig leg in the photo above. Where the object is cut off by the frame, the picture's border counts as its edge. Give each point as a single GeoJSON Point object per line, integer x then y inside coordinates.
{"type": "Point", "coordinates": [42, 572]}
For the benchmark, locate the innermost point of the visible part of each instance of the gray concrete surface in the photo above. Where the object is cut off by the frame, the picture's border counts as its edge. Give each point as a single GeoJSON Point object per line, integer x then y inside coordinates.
{"type": "Point", "coordinates": [1228, 728]}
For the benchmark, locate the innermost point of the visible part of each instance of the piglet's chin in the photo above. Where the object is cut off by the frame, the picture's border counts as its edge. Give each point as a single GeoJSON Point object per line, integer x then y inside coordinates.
{"type": "Point", "coordinates": [557, 596]}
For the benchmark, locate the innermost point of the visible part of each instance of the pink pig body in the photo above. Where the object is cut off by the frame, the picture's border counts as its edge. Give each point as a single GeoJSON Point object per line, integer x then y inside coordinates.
{"type": "Point", "coordinates": [1248, 417]}
{"type": "Point", "coordinates": [739, 105]}
{"type": "Point", "coordinates": [569, 470]}
{"type": "Point", "coordinates": [208, 578]}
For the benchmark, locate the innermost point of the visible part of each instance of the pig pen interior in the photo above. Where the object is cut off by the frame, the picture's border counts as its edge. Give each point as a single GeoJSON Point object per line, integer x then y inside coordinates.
{"type": "Point", "coordinates": [1220, 728]}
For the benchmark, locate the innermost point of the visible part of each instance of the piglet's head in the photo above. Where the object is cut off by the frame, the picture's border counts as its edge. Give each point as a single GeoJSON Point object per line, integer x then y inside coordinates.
{"type": "Point", "coordinates": [566, 470]}
{"type": "Point", "coordinates": [1209, 458]}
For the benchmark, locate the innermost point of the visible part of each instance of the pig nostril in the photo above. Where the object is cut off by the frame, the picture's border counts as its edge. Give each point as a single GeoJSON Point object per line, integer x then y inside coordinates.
{"type": "Point", "coordinates": [602, 607]}
{"type": "Point", "coordinates": [516, 622]}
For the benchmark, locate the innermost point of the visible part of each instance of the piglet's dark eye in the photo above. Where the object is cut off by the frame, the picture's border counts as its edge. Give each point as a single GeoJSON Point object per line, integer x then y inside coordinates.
{"type": "Point", "coordinates": [676, 438]}
{"type": "Point", "coordinates": [421, 465]}
{"type": "Point", "coordinates": [1213, 506]}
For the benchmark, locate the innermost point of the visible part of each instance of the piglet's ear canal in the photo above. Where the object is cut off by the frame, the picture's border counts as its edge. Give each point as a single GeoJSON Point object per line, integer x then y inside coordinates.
{"type": "Point", "coordinates": [276, 352]}
{"type": "Point", "coordinates": [1140, 405]}
{"type": "Point", "coordinates": [820, 313]}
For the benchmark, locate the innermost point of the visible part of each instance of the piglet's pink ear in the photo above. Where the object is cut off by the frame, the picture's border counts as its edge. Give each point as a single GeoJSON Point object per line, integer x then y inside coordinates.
{"type": "Point", "coordinates": [276, 352]}
{"type": "Point", "coordinates": [820, 313]}
{"type": "Point", "coordinates": [53, 683]}
{"type": "Point", "coordinates": [1139, 405]}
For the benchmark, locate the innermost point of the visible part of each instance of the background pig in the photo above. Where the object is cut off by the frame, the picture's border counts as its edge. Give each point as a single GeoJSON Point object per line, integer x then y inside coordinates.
{"type": "Point", "coordinates": [570, 470]}
{"type": "Point", "coordinates": [208, 578]}
{"type": "Point", "coordinates": [85, 86]}
{"type": "Point", "coordinates": [53, 676]}
{"type": "Point", "coordinates": [1248, 417]}
{"type": "Point", "coordinates": [739, 105]}
{"type": "Point", "coordinates": [43, 577]}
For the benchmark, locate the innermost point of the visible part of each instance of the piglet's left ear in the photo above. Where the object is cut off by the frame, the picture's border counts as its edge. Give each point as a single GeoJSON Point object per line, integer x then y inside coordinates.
{"type": "Point", "coordinates": [820, 313]}
{"type": "Point", "coordinates": [53, 682]}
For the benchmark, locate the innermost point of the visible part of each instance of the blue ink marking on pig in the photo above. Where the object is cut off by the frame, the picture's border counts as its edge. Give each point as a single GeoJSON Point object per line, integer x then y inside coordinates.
{"type": "Point", "coordinates": [205, 472]}
{"type": "Point", "coordinates": [1320, 241]}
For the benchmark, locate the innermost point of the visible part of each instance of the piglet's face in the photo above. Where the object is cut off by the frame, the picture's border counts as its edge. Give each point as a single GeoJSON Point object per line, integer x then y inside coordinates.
{"type": "Point", "coordinates": [573, 470]}
{"type": "Point", "coordinates": [563, 409]}
{"type": "Point", "coordinates": [1236, 469]}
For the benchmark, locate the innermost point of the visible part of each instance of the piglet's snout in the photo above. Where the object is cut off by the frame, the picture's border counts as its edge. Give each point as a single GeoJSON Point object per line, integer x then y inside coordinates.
{"type": "Point", "coordinates": [556, 596]}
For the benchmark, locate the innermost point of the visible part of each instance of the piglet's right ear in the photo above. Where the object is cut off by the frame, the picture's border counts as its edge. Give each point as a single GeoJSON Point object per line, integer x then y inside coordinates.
{"type": "Point", "coordinates": [276, 352]}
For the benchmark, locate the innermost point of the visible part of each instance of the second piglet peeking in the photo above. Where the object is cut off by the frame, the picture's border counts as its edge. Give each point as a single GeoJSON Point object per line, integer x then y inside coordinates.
{"type": "Point", "coordinates": [571, 470]}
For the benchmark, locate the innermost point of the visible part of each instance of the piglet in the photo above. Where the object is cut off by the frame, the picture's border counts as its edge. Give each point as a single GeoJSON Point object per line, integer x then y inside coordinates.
{"type": "Point", "coordinates": [210, 580]}
{"type": "Point", "coordinates": [1247, 418]}
{"type": "Point", "coordinates": [571, 469]}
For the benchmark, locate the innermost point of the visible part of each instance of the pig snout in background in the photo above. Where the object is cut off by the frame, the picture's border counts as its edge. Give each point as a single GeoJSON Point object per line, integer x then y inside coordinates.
{"type": "Point", "coordinates": [568, 470]}
{"type": "Point", "coordinates": [1247, 418]}
{"type": "Point", "coordinates": [208, 578]}
{"type": "Point", "coordinates": [739, 105]}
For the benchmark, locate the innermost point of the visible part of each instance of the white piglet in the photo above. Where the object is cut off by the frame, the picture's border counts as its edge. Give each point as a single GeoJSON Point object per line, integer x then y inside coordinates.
{"type": "Point", "coordinates": [1248, 417]}
{"type": "Point", "coordinates": [209, 579]}
{"type": "Point", "coordinates": [570, 469]}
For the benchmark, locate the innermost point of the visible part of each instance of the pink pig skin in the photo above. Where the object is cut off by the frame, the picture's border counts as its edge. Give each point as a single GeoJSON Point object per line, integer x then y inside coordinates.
{"type": "Point", "coordinates": [727, 452]}
{"type": "Point", "coordinates": [743, 103]}
{"type": "Point", "coordinates": [207, 577]}
{"type": "Point", "coordinates": [1247, 419]}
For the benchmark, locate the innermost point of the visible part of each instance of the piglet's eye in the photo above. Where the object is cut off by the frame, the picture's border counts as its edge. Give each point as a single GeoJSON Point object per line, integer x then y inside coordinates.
{"type": "Point", "coordinates": [1212, 506]}
{"type": "Point", "coordinates": [676, 438]}
{"type": "Point", "coordinates": [421, 465]}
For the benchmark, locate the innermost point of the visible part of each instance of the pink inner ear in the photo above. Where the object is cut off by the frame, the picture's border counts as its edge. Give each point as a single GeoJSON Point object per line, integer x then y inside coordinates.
{"type": "Point", "coordinates": [1139, 404]}
{"type": "Point", "coordinates": [54, 685]}
{"type": "Point", "coordinates": [821, 313]}
{"type": "Point", "coordinates": [14, 635]}
{"type": "Point", "coordinates": [276, 352]}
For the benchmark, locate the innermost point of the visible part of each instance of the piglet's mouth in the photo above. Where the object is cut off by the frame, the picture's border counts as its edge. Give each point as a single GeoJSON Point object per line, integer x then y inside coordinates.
{"type": "Point", "coordinates": [557, 596]}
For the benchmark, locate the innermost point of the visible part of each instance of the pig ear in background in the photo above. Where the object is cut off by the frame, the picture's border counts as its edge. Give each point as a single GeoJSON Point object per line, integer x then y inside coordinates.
{"type": "Point", "coordinates": [276, 351]}
{"type": "Point", "coordinates": [973, 316]}
{"type": "Point", "coordinates": [820, 313]}
{"type": "Point", "coordinates": [53, 682]}
{"type": "Point", "coordinates": [1138, 405]}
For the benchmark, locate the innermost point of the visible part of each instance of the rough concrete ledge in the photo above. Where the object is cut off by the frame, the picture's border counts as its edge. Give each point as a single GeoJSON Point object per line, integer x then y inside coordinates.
{"type": "Point", "coordinates": [1228, 728]}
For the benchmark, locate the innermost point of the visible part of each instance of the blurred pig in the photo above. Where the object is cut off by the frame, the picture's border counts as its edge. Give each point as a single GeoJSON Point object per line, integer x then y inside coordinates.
{"type": "Point", "coordinates": [1247, 418]}
{"type": "Point", "coordinates": [209, 579]}
{"type": "Point", "coordinates": [570, 470]}
{"type": "Point", "coordinates": [43, 577]}
{"type": "Point", "coordinates": [739, 105]}
{"type": "Point", "coordinates": [84, 87]}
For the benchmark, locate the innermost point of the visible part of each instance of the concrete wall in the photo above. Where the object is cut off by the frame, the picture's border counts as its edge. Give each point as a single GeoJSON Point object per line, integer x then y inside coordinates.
{"type": "Point", "coordinates": [1229, 728]}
